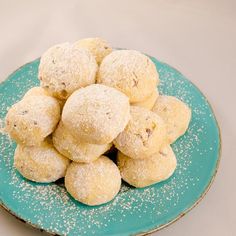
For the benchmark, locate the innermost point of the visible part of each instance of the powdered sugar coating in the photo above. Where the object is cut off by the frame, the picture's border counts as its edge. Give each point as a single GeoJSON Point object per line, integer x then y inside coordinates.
{"type": "Point", "coordinates": [97, 46]}
{"type": "Point", "coordinates": [148, 102]}
{"type": "Point", "coordinates": [41, 91]}
{"type": "Point", "coordinates": [144, 172]}
{"type": "Point", "coordinates": [93, 183]}
{"type": "Point", "coordinates": [96, 114]}
{"type": "Point", "coordinates": [144, 135]}
{"type": "Point", "coordinates": [64, 68]}
{"type": "Point", "coordinates": [176, 115]}
{"type": "Point", "coordinates": [32, 119]}
{"type": "Point", "coordinates": [75, 149]}
{"type": "Point", "coordinates": [40, 163]}
{"type": "Point", "coordinates": [131, 72]}
{"type": "Point", "coordinates": [36, 91]}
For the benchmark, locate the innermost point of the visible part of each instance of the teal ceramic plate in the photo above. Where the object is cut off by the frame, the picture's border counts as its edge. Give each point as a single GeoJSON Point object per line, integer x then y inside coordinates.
{"type": "Point", "coordinates": [133, 211]}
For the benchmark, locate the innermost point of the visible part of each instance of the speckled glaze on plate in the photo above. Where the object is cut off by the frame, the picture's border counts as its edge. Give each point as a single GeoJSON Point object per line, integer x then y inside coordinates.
{"type": "Point", "coordinates": [133, 211]}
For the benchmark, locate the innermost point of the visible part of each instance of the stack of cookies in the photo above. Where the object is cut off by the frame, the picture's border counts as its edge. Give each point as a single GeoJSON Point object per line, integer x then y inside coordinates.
{"type": "Point", "coordinates": [91, 99]}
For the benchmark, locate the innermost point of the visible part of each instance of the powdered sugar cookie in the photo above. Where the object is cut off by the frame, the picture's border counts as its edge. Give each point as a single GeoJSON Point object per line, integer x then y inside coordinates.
{"type": "Point", "coordinates": [40, 163]}
{"type": "Point", "coordinates": [96, 114]}
{"type": "Point", "coordinates": [148, 102]}
{"type": "Point", "coordinates": [144, 172]}
{"type": "Point", "coordinates": [93, 183]}
{"type": "Point", "coordinates": [97, 46]}
{"type": "Point", "coordinates": [176, 115]}
{"type": "Point", "coordinates": [65, 68]}
{"type": "Point", "coordinates": [74, 149]}
{"type": "Point", "coordinates": [143, 136]}
{"type": "Point", "coordinates": [35, 91]}
{"type": "Point", "coordinates": [32, 119]}
{"type": "Point", "coordinates": [131, 72]}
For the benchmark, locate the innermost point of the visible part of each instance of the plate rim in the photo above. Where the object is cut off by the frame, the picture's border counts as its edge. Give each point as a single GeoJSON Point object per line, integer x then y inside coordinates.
{"type": "Point", "coordinates": [160, 227]}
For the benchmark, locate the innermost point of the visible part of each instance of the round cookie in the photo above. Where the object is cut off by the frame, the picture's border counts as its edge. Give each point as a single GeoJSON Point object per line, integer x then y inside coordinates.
{"type": "Point", "coordinates": [74, 149]}
{"type": "Point", "coordinates": [40, 163]}
{"type": "Point", "coordinates": [97, 46]}
{"type": "Point", "coordinates": [144, 135]}
{"type": "Point", "coordinates": [149, 102]}
{"type": "Point", "coordinates": [35, 91]}
{"type": "Point", "coordinates": [144, 172]}
{"type": "Point", "coordinates": [65, 68]}
{"type": "Point", "coordinates": [96, 114]}
{"type": "Point", "coordinates": [32, 119]}
{"type": "Point", "coordinates": [93, 183]}
{"type": "Point", "coordinates": [175, 113]}
{"type": "Point", "coordinates": [131, 72]}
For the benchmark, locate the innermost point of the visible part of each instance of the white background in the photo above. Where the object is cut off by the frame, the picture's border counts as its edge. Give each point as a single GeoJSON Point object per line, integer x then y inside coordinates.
{"type": "Point", "coordinates": [196, 37]}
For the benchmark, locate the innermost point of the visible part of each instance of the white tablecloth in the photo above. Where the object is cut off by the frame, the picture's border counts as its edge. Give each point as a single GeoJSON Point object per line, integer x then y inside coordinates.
{"type": "Point", "coordinates": [196, 37]}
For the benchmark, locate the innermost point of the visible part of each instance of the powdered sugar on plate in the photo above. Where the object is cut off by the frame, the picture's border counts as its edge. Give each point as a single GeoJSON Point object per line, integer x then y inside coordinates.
{"type": "Point", "coordinates": [49, 206]}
